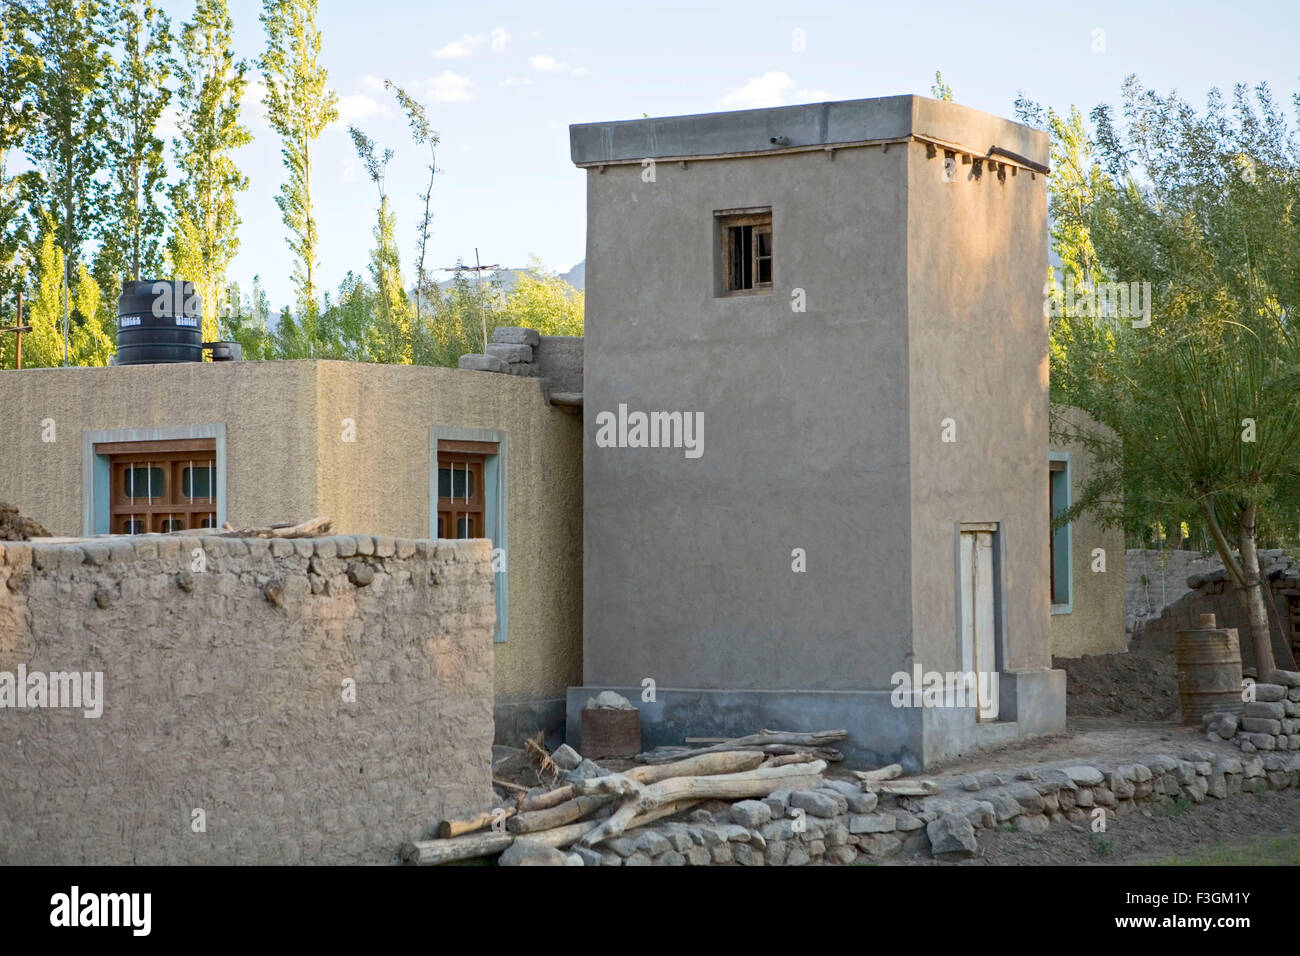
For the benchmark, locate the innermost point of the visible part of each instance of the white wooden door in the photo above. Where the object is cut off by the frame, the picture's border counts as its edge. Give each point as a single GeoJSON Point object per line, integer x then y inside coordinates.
{"type": "Point", "coordinates": [978, 639]}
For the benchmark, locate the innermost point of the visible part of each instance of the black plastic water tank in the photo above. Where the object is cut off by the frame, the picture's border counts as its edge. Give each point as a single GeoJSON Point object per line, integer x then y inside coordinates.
{"type": "Point", "coordinates": [159, 320]}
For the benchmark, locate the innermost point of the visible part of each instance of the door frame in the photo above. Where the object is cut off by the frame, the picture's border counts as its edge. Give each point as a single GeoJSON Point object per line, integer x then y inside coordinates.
{"type": "Point", "coordinates": [1000, 642]}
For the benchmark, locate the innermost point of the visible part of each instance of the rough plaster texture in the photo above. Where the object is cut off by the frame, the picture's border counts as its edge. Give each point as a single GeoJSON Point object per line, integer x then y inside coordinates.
{"type": "Point", "coordinates": [286, 460]}
{"type": "Point", "coordinates": [222, 693]}
{"type": "Point", "coordinates": [1095, 622]}
{"type": "Point", "coordinates": [821, 428]}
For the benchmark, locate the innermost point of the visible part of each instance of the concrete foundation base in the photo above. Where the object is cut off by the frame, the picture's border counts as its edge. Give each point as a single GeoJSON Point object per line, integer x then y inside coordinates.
{"type": "Point", "coordinates": [1031, 703]}
{"type": "Point", "coordinates": [517, 720]}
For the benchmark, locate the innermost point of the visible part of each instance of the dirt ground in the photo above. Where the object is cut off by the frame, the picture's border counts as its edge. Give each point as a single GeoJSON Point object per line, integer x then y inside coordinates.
{"type": "Point", "coordinates": [1141, 684]}
{"type": "Point", "coordinates": [14, 527]}
{"type": "Point", "coordinates": [1089, 740]}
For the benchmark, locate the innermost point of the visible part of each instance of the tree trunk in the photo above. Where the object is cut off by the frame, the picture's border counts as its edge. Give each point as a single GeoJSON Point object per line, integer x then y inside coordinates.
{"type": "Point", "coordinates": [1252, 597]}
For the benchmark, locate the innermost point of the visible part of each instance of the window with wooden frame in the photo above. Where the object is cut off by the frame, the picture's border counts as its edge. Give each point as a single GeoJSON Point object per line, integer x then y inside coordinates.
{"type": "Point", "coordinates": [746, 250]}
{"type": "Point", "coordinates": [462, 494]}
{"type": "Point", "coordinates": [161, 486]}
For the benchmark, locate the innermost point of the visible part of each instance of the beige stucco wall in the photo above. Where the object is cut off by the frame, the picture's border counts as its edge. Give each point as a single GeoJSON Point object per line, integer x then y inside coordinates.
{"type": "Point", "coordinates": [1095, 622]}
{"type": "Point", "coordinates": [380, 484]}
{"type": "Point", "coordinates": [977, 355]}
{"type": "Point", "coordinates": [286, 460]}
{"type": "Point", "coordinates": [271, 466]}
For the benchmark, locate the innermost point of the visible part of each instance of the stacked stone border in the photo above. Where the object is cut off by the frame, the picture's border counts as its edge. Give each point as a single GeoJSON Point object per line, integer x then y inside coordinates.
{"type": "Point", "coordinates": [841, 823]}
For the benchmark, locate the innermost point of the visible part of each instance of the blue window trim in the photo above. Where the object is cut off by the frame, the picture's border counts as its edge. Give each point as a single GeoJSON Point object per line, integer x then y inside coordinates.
{"type": "Point", "coordinates": [495, 506]}
{"type": "Point", "coordinates": [1063, 537]}
{"type": "Point", "coordinates": [96, 498]}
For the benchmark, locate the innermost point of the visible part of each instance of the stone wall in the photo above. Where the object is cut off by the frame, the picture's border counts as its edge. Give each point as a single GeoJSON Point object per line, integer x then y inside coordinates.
{"type": "Point", "coordinates": [225, 667]}
{"type": "Point", "coordinates": [1206, 590]}
{"type": "Point", "coordinates": [1155, 579]}
{"type": "Point", "coordinates": [841, 823]}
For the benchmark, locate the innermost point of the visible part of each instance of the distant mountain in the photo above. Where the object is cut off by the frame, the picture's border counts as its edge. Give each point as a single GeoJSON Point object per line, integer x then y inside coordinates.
{"type": "Point", "coordinates": [576, 277]}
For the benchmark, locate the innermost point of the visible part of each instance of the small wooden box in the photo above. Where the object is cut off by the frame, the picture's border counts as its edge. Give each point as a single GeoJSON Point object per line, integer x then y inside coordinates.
{"type": "Point", "coordinates": [611, 733]}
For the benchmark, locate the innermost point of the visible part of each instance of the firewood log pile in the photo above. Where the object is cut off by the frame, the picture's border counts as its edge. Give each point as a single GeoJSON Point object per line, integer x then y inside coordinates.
{"type": "Point", "coordinates": [585, 806]}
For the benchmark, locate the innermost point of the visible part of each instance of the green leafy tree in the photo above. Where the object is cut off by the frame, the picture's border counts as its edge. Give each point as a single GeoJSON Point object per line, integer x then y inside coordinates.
{"type": "Point", "coordinates": [299, 106]}
{"type": "Point", "coordinates": [1201, 404]}
{"type": "Point", "coordinates": [247, 322]}
{"type": "Point", "coordinates": [939, 89]}
{"type": "Point", "coordinates": [19, 64]}
{"type": "Point", "coordinates": [454, 319]}
{"type": "Point", "coordinates": [205, 213]}
{"type": "Point", "coordinates": [543, 301]}
{"type": "Point", "coordinates": [88, 341]}
{"type": "Point", "coordinates": [424, 135]}
{"type": "Point", "coordinates": [389, 336]}
{"type": "Point", "coordinates": [68, 94]}
{"type": "Point", "coordinates": [131, 236]}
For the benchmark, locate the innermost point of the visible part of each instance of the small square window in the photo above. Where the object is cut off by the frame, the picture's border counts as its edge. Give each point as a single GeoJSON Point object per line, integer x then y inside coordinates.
{"type": "Point", "coordinates": [745, 253]}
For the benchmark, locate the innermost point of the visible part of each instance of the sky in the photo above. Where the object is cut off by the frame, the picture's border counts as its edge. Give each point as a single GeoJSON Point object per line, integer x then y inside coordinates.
{"type": "Point", "coordinates": [503, 80]}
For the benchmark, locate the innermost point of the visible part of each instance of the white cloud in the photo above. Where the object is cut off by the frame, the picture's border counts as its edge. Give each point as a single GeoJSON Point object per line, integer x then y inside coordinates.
{"type": "Point", "coordinates": [767, 90]}
{"type": "Point", "coordinates": [812, 96]}
{"type": "Point", "coordinates": [469, 42]}
{"type": "Point", "coordinates": [358, 107]}
{"type": "Point", "coordinates": [510, 81]}
{"type": "Point", "coordinates": [450, 87]}
{"type": "Point", "coordinates": [459, 49]}
{"type": "Point", "coordinates": [251, 106]}
{"type": "Point", "coordinates": [169, 122]}
{"type": "Point", "coordinates": [372, 83]}
{"type": "Point", "coordinates": [774, 88]}
{"type": "Point", "coordinates": [549, 64]}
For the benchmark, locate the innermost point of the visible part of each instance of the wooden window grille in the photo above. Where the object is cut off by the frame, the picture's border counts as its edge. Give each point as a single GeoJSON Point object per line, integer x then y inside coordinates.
{"type": "Point", "coordinates": [462, 495]}
{"type": "Point", "coordinates": [746, 251]}
{"type": "Point", "coordinates": [161, 486]}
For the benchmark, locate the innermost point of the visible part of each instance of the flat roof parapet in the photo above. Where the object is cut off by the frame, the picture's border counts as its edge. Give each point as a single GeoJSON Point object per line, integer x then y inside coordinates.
{"type": "Point", "coordinates": [813, 126]}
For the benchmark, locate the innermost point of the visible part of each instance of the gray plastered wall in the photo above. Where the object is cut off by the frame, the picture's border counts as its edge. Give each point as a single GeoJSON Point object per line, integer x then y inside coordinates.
{"type": "Point", "coordinates": [822, 427]}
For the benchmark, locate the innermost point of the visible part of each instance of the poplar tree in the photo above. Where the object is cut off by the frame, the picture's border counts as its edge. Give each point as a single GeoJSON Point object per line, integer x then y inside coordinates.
{"type": "Point", "coordinates": [132, 239]}
{"type": "Point", "coordinates": [18, 65]}
{"type": "Point", "coordinates": [424, 135]}
{"type": "Point", "coordinates": [205, 224]}
{"type": "Point", "coordinates": [67, 141]}
{"type": "Point", "coordinates": [389, 336]}
{"type": "Point", "coordinates": [299, 107]}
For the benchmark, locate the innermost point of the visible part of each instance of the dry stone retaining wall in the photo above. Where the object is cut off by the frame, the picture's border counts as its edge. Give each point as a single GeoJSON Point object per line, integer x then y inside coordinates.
{"type": "Point", "coordinates": [224, 691]}
{"type": "Point", "coordinates": [842, 824]}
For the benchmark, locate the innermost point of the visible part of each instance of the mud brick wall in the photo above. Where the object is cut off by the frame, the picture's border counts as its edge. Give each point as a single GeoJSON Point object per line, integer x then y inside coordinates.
{"type": "Point", "coordinates": [224, 691]}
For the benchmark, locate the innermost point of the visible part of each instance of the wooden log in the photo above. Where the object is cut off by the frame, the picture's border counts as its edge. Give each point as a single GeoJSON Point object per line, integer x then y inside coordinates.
{"type": "Point", "coordinates": [454, 828]}
{"type": "Point", "coordinates": [641, 799]}
{"type": "Point", "coordinates": [884, 773]}
{"type": "Point", "coordinates": [763, 739]}
{"type": "Point", "coordinates": [285, 529]}
{"type": "Point", "coordinates": [544, 801]}
{"type": "Point", "coordinates": [703, 765]}
{"type": "Point", "coordinates": [556, 816]}
{"type": "Point", "coordinates": [782, 760]}
{"type": "Point", "coordinates": [433, 852]}
{"type": "Point", "coordinates": [561, 837]}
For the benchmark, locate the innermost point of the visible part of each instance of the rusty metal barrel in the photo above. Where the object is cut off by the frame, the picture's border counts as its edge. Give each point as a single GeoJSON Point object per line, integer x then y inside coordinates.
{"type": "Point", "coordinates": [1209, 670]}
